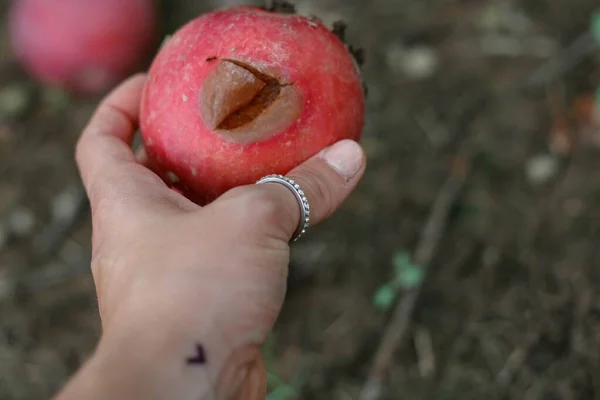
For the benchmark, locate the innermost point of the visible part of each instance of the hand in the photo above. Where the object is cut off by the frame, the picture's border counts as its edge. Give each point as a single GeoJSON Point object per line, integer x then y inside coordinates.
{"type": "Point", "coordinates": [174, 279]}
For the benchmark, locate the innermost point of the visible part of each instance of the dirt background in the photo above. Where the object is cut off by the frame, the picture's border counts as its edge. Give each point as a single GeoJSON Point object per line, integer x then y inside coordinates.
{"type": "Point", "coordinates": [510, 308]}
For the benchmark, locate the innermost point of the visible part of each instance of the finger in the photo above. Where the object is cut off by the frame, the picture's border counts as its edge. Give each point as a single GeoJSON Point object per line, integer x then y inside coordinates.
{"type": "Point", "coordinates": [327, 179]}
{"type": "Point", "coordinates": [105, 144]}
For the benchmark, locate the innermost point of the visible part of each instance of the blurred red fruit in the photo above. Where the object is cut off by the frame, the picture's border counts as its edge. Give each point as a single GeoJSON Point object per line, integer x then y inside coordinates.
{"type": "Point", "coordinates": [82, 45]}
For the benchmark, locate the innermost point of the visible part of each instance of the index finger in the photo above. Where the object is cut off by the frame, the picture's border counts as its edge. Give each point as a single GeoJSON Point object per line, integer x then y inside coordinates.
{"type": "Point", "coordinates": [106, 141]}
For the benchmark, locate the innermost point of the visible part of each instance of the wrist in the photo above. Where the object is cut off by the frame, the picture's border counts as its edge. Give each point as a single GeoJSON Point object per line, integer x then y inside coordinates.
{"type": "Point", "coordinates": [144, 358]}
{"type": "Point", "coordinates": [180, 356]}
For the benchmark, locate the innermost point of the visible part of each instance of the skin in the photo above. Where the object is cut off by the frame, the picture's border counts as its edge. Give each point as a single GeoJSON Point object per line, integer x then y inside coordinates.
{"type": "Point", "coordinates": [171, 275]}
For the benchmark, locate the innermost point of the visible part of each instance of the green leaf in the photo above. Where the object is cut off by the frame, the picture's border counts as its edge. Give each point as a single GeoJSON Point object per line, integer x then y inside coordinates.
{"type": "Point", "coordinates": [283, 393]}
{"type": "Point", "coordinates": [411, 278]}
{"type": "Point", "coordinates": [268, 348]}
{"type": "Point", "coordinates": [15, 100]}
{"type": "Point", "coordinates": [385, 297]}
{"type": "Point", "coordinates": [595, 25]}
{"type": "Point", "coordinates": [274, 381]}
{"type": "Point", "coordinates": [402, 262]}
{"type": "Point", "coordinates": [57, 98]}
{"type": "Point", "coordinates": [280, 389]}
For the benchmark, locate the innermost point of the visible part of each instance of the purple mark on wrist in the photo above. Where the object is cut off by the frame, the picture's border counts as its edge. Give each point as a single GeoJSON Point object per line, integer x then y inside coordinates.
{"type": "Point", "coordinates": [199, 358]}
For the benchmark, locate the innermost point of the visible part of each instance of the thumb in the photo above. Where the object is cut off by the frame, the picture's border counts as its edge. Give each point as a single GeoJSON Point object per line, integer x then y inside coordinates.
{"type": "Point", "coordinates": [326, 179]}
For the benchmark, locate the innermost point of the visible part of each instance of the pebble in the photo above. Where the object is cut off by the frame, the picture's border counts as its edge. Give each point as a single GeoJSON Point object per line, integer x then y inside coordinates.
{"type": "Point", "coordinates": [503, 16]}
{"type": "Point", "coordinates": [65, 205]}
{"type": "Point", "coordinates": [491, 256]}
{"type": "Point", "coordinates": [56, 99]}
{"type": "Point", "coordinates": [541, 168]}
{"type": "Point", "coordinates": [15, 99]}
{"type": "Point", "coordinates": [71, 252]}
{"type": "Point", "coordinates": [9, 196]}
{"type": "Point", "coordinates": [21, 221]}
{"type": "Point", "coordinates": [416, 63]}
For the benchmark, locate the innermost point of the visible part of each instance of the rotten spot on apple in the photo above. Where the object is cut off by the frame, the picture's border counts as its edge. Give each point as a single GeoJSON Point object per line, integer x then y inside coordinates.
{"type": "Point", "coordinates": [245, 105]}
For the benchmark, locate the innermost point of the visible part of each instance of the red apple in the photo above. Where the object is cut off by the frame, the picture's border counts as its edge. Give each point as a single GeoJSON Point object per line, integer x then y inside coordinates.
{"type": "Point", "coordinates": [82, 45]}
{"type": "Point", "coordinates": [240, 93]}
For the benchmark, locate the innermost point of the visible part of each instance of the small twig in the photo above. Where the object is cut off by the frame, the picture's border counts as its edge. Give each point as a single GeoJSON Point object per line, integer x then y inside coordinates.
{"type": "Point", "coordinates": [51, 275]}
{"type": "Point", "coordinates": [67, 208]}
{"type": "Point", "coordinates": [513, 363]}
{"type": "Point", "coordinates": [424, 348]}
{"type": "Point", "coordinates": [511, 46]}
{"type": "Point", "coordinates": [435, 133]}
{"type": "Point", "coordinates": [424, 253]}
{"type": "Point", "coordinates": [564, 61]}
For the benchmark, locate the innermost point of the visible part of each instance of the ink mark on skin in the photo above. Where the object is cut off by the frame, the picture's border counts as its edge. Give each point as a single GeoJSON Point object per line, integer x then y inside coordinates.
{"type": "Point", "coordinates": [209, 59]}
{"type": "Point", "coordinates": [199, 358]}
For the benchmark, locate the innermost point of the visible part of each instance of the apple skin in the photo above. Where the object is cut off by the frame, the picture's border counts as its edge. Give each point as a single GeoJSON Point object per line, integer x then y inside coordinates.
{"type": "Point", "coordinates": [322, 101]}
{"type": "Point", "coordinates": [83, 46]}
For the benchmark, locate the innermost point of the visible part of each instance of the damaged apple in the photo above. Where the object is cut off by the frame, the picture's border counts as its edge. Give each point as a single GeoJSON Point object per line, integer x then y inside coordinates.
{"type": "Point", "coordinates": [240, 93]}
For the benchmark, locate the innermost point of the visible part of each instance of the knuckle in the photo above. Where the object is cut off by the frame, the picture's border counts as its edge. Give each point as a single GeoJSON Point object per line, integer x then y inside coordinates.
{"type": "Point", "coordinates": [112, 195]}
{"type": "Point", "coordinates": [255, 208]}
{"type": "Point", "coordinates": [102, 200]}
{"type": "Point", "coordinates": [97, 262]}
{"type": "Point", "coordinates": [319, 191]}
{"type": "Point", "coordinates": [101, 260]}
{"type": "Point", "coordinates": [81, 149]}
{"type": "Point", "coordinates": [260, 205]}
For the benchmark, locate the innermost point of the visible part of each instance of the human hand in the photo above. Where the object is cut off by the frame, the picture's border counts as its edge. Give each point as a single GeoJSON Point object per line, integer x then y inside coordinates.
{"type": "Point", "coordinates": [175, 280]}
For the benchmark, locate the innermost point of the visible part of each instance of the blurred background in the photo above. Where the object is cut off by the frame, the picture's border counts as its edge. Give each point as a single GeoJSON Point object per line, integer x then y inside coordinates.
{"type": "Point", "coordinates": [465, 266]}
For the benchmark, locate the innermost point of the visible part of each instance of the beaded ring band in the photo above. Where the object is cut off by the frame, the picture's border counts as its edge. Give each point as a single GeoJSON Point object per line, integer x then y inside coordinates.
{"type": "Point", "coordinates": [300, 196]}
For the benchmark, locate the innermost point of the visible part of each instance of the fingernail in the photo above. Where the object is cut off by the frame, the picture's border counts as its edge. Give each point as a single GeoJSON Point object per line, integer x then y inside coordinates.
{"type": "Point", "coordinates": [346, 157]}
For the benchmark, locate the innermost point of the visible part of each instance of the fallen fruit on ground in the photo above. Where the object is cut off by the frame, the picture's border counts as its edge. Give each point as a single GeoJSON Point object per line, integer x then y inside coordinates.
{"type": "Point", "coordinates": [240, 93]}
{"type": "Point", "coordinates": [83, 46]}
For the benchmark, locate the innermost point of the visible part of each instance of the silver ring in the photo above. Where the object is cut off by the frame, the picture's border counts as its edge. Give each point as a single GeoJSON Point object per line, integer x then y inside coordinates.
{"type": "Point", "coordinates": [300, 196]}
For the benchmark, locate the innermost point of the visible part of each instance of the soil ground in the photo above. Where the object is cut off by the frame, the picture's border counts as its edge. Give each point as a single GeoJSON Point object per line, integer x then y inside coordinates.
{"type": "Point", "coordinates": [510, 308]}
